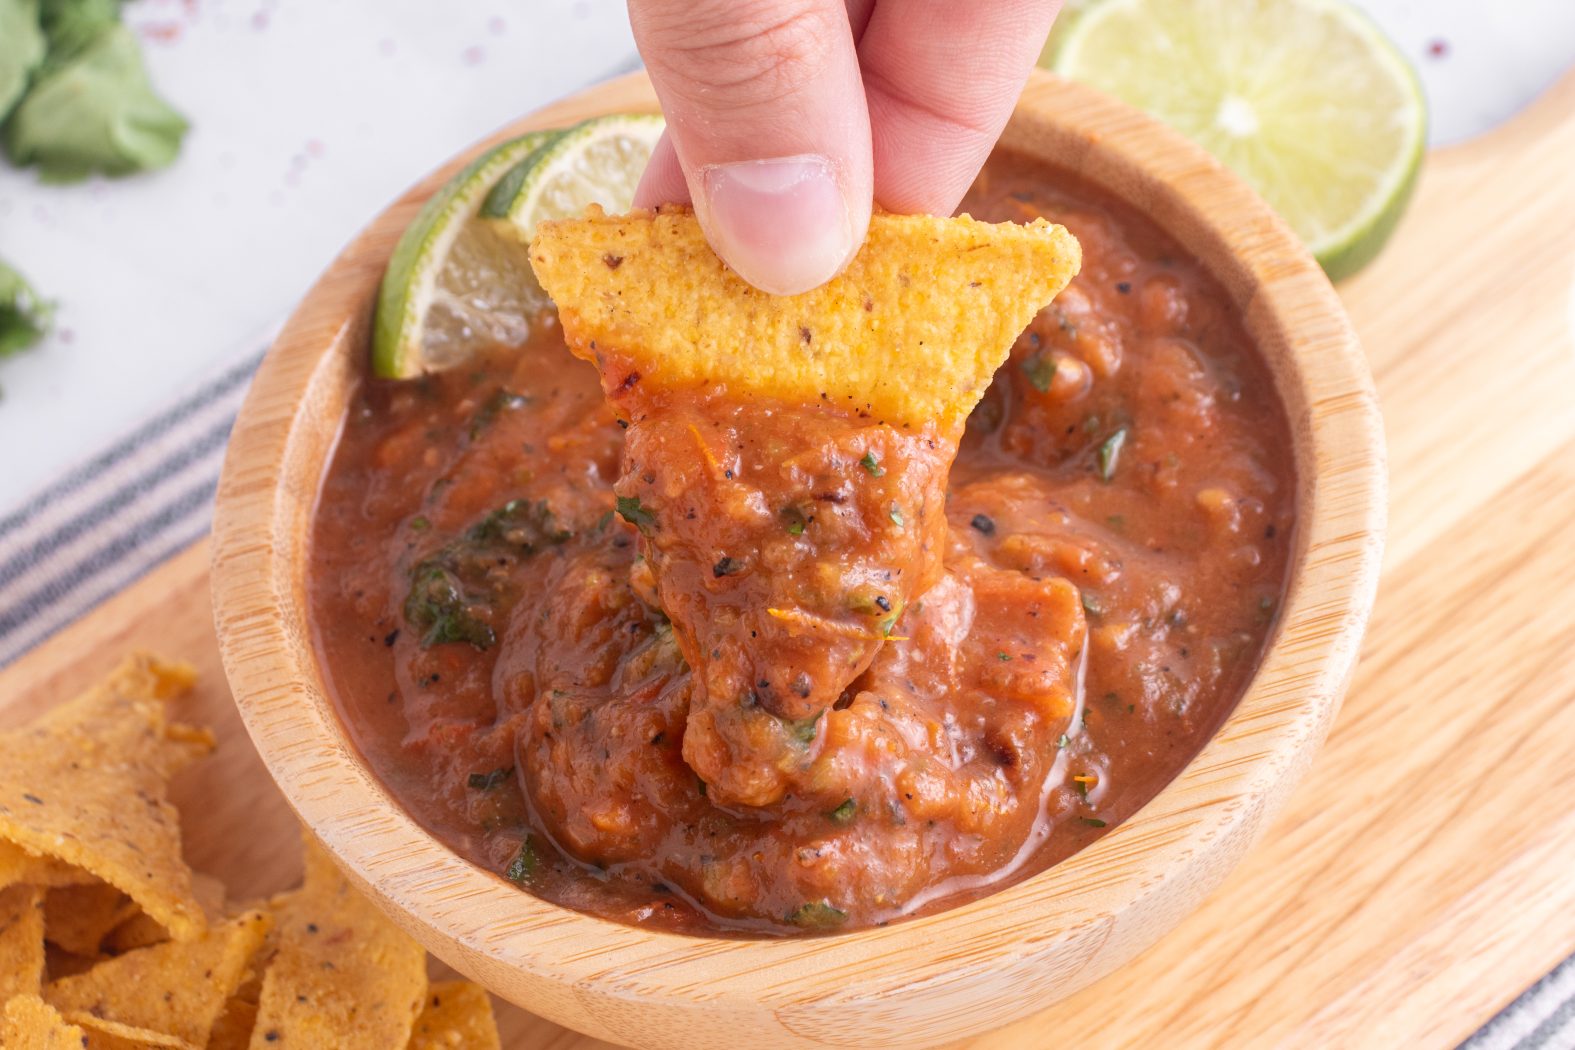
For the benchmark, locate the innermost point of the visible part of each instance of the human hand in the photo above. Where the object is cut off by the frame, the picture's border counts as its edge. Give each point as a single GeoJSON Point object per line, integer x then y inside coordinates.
{"type": "Point", "coordinates": [786, 119]}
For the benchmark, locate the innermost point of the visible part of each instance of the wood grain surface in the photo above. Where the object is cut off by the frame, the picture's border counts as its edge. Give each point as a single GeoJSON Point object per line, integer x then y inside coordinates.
{"type": "Point", "coordinates": [1420, 876]}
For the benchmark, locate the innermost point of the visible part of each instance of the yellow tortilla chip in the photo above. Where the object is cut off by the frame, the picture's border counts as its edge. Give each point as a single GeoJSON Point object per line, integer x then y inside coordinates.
{"type": "Point", "coordinates": [233, 1029]}
{"type": "Point", "coordinates": [911, 331]}
{"type": "Point", "coordinates": [21, 941]}
{"type": "Point", "coordinates": [60, 963]}
{"type": "Point", "coordinates": [111, 1035]}
{"type": "Point", "coordinates": [457, 1013]}
{"type": "Point", "coordinates": [85, 784]}
{"type": "Point", "coordinates": [344, 975]}
{"type": "Point", "coordinates": [178, 988]}
{"type": "Point", "coordinates": [20, 865]}
{"type": "Point", "coordinates": [29, 1023]}
{"type": "Point", "coordinates": [77, 918]}
{"type": "Point", "coordinates": [142, 931]}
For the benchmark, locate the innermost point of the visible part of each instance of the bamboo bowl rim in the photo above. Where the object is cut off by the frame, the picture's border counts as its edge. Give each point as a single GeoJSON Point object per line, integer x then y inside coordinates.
{"type": "Point", "coordinates": [937, 977]}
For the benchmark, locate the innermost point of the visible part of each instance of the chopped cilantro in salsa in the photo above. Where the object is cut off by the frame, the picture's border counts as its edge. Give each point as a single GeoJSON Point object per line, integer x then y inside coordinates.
{"type": "Point", "coordinates": [488, 781]}
{"type": "Point", "coordinates": [453, 591]}
{"type": "Point", "coordinates": [629, 510]}
{"type": "Point", "coordinates": [1110, 453]}
{"type": "Point", "coordinates": [1040, 369]}
{"type": "Point", "coordinates": [525, 865]}
{"type": "Point", "coordinates": [817, 915]}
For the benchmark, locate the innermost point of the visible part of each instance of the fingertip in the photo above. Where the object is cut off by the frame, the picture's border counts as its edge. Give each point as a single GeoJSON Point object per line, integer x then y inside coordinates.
{"type": "Point", "coordinates": [662, 182]}
{"type": "Point", "coordinates": [784, 224]}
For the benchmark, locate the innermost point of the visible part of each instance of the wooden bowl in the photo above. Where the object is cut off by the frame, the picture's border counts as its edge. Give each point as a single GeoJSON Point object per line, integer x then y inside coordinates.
{"type": "Point", "coordinates": [925, 981]}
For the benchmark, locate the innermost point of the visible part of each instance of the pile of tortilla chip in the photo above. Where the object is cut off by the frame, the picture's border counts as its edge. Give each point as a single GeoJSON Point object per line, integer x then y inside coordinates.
{"type": "Point", "coordinates": [108, 940]}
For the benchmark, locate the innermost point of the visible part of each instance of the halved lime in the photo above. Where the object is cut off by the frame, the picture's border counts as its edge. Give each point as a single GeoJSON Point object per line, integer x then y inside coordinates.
{"type": "Point", "coordinates": [1071, 12]}
{"type": "Point", "coordinates": [1306, 99]}
{"type": "Point", "coordinates": [455, 280]}
{"type": "Point", "coordinates": [596, 162]}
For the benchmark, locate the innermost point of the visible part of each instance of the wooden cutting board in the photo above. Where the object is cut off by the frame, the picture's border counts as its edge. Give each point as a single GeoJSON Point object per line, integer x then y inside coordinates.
{"type": "Point", "coordinates": [1424, 874]}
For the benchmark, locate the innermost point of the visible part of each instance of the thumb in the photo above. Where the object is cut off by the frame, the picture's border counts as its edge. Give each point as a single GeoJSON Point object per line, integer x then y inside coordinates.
{"type": "Point", "coordinates": [767, 132]}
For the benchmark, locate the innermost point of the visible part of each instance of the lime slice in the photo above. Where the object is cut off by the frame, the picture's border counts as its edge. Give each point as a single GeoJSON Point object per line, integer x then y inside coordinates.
{"type": "Point", "coordinates": [1070, 14]}
{"type": "Point", "coordinates": [597, 162]}
{"type": "Point", "coordinates": [456, 281]}
{"type": "Point", "coordinates": [1306, 99]}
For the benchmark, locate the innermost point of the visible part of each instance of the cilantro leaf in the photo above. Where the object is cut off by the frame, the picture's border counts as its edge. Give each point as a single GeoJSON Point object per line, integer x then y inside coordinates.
{"type": "Point", "coordinates": [24, 318]}
{"type": "Point", "coordinates": [21, 49]}
{"type": "Point", "coordinates": [72, 25]}
{"type": "Point", "coordinates": [96, 112]}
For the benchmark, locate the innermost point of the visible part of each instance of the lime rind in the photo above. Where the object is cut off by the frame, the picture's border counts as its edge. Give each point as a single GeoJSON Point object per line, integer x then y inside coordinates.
{"type": "Point", "coordinates": [1306, 99]}
{"type": "Point", "coordinates": [410, 281]}
{"type": "Point", "coordinates": [501, 196]}
{"type": "Point", "coordinates": [598, 161]}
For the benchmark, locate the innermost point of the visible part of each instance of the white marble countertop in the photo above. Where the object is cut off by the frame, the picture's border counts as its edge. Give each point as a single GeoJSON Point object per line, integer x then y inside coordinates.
{"type": "Point", "coordinates": [309, 115]}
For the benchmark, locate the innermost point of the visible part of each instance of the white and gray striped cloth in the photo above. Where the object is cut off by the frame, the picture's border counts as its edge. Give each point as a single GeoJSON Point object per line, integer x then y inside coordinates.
{"type": "Point", "coordinates": [118, 514]}
{"type": "Point", "coordinates": [150, 495]}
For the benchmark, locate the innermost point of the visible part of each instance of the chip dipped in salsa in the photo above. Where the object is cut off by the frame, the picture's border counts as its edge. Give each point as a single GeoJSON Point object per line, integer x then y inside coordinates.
{"type": "Point", "coordinates": [985, 643]}
{"type": "Point", "coordinates": [785, 458]}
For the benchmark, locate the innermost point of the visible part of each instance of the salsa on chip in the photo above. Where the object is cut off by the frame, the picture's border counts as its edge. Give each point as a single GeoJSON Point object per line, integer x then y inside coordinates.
{"type": "Point", "coordinates": [786, 458]}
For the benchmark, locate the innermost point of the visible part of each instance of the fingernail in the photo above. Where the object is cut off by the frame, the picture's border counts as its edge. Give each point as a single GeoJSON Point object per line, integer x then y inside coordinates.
{"type": "Point", "coordinates": [782, 223]}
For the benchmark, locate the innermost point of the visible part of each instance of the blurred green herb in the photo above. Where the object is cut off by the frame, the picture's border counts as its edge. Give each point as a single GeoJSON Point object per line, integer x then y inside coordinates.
{"type": "Point", "coordinates": [74, 95]}
{"type": "Point", "coordinates": [22, 49]}
{"type": "Point", "coordinates": [24, 317]}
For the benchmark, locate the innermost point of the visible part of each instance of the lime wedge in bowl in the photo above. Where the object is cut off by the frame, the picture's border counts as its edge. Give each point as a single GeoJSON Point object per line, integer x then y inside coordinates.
{"type": "Point", "coordinates": [1306, 99]}
{"type": "Point", "coordinates": [596, 162]}
{"type": "Point", "coordinates": [454, 280]}
{"type": "Point", "coordinates": [460, 278]}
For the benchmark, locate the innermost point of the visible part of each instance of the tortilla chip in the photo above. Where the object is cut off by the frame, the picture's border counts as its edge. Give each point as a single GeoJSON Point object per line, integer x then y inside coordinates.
{"type": "Point", "coordinates": [178, 988]}
{"type": "Point", "coordinates": [29, 1023]}
{"type": "Point", "coordinates": [77, 918]}
{"type": "Point", "coordinates": [111, 1035]}
{"type": "Point", "coordinates": [85, 784]}
{"type": "Point", "coordinates": [20, 865]}
{"type": "Point", "coordinates": [21, 941]}
{"type": "Point", "coordinates": [911, 331]}
{"type": "Point", "coordinates": [344, 976]}
{"type": "Point", "coordinates": [233, 1029]}
{"type": "Point", "coordinates": [457, 1013]}
{"type": "Point", "coordinates": [142, 931]}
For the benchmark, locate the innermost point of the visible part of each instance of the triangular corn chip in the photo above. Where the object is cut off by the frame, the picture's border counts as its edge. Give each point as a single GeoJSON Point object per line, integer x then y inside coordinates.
{"type": "Point", "coordinates": [29, 1023]}
{"type": "Point", "coordinates": [99, 1034]}
{"type": "Point", "coordinates": [141, 931]}
{"type": "Point", "coordinates": [86, 784]}
{"type": "Point", "coordinates": [457, 1013]}
{"type": "Point", "coordinates": [344, 975]}
{"type": "Point", "coordinates": [20, 865]}
{"type": "Point", "coordinates": [21, 941]}
{"type": "Point", "coordinates": [178, 988]}
{"type": "Point", "coordinates": [233, 1029]}
{"type": "Point", "coordinates": [910, 332]}
{"type": "Point", "coordinates": [77, 918]}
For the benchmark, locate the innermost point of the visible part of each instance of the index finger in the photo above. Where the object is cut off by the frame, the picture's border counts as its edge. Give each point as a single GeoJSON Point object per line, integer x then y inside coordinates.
{"type": "Point", "coordinates": [941, 79]}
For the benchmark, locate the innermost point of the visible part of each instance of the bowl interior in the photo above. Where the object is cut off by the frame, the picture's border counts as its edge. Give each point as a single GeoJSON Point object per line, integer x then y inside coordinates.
{"type": "Point", "coordinates": [933, 978]}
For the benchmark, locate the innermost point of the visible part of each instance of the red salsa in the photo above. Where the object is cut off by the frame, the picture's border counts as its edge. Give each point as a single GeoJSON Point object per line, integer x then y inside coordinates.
{"type": "Point", "coordinates": [761, 668]}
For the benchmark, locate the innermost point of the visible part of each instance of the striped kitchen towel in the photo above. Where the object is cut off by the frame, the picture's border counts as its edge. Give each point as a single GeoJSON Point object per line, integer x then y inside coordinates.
{"type": "Point", "coordinates": [118, 514]}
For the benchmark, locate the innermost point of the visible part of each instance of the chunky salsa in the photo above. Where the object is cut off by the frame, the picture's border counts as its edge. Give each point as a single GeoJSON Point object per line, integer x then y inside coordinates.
{"type": "Point", "coordinates": [1096, 576]}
